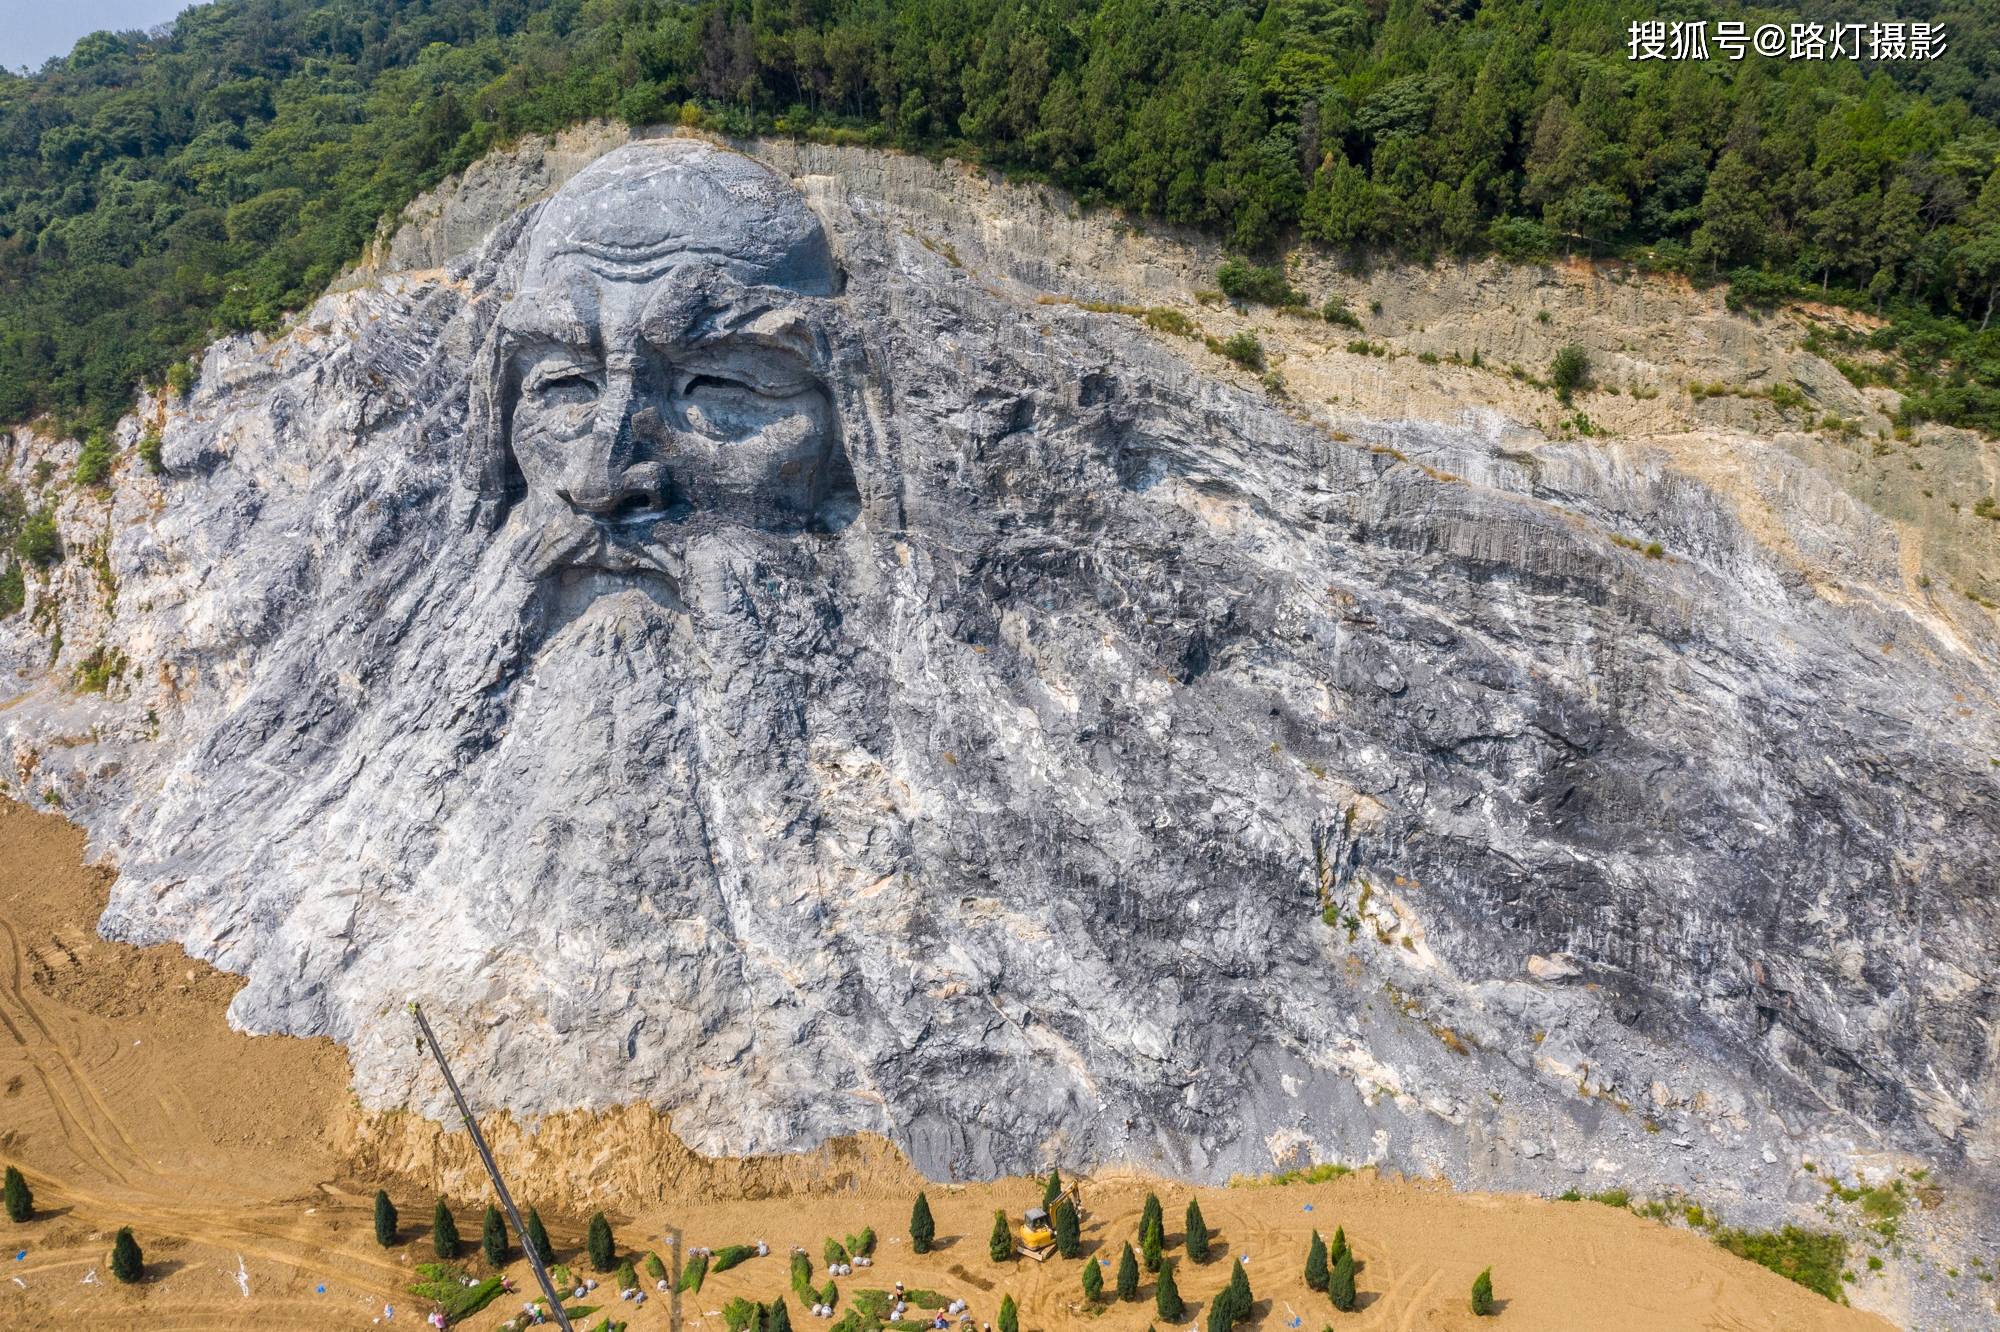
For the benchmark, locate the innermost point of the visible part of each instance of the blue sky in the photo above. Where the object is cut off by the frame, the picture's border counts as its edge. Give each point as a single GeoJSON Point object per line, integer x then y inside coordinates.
{"type": "Point", "coordinates": [33, 30]}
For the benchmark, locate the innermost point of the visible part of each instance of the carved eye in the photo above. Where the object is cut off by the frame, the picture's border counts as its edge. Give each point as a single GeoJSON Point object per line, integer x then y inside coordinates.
{"type": "Point", "coordinates": [716, 383]}
{"type": "Point", "coordinates": [566, 386]}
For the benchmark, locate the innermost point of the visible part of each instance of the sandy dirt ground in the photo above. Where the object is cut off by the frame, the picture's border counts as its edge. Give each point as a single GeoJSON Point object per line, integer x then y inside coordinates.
{"type": "Point", "coordinates": [126, 1100]}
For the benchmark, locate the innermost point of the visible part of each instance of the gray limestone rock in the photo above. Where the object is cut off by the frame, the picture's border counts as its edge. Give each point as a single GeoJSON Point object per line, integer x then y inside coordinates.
{"type": "Point", "coordinates": [716, 648]}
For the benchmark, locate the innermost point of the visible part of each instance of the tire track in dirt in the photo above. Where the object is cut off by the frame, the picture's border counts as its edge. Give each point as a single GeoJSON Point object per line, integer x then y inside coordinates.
{"type": "Point", "coordinates": [1418, 1303]}
{"type": "Point", "coordinates": [18, 990]}
{"type": "Point", "coordinates": [75, 1098]}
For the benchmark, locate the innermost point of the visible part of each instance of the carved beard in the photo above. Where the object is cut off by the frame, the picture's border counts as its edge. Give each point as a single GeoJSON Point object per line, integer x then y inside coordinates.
{"type": "Point", "coordinates": [586, 675]}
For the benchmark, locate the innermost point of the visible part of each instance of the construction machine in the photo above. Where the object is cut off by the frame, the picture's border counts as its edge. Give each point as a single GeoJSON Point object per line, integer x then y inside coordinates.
{"type": "Point", "coordinates": [1037, 1237]}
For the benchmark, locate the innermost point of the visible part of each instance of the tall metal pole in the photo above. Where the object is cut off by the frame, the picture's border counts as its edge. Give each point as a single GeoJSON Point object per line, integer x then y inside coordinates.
{"type": "Point", "coordinates": [492, 1170]}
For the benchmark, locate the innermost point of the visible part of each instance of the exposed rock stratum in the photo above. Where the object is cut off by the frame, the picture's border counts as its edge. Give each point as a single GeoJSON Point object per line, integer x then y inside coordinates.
{"type": "Point", "coordinates": [757, 636]}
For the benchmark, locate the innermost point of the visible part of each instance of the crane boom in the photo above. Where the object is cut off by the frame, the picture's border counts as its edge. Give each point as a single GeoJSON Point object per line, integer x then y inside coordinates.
{"type": "Point", "coordinates": [492, 1170]}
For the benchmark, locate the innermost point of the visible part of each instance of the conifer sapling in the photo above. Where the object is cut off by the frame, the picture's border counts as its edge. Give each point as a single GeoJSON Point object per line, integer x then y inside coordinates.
{"type": "Point", "coordinates": [538, 1238]}
{"type": "Point", "coordinates": [1128, 1275]}
{"type": "Point", "coordinates": [1240, 1298]}
{"type": "Point", "coordinates": [1167, 1296]}
{"type": "Point", "coordinates": [1317, 1272]}
{"type": "Point", "coordinates": [1151, 1240]}
{"type": "Point", "coordinates": [1152, 1214]}
{"type": "Point", "coordinates": [1197, 1233]}
{"type": "Point", "coordinates": [1069, 1232]}
{"type": "Point", "coordinates": [1340, 1284]}
{"type": "Point", "coordinates": [385, 1219]}
{"type": "Point", "coordinates": [19, 1197]}
{"type": "Point", "coordinates": [127, 1263]}
{"type": "Point", "coordinates": [1000, 1245]}
{"type": "Point", "coordinates": [600, 1245]}
{"type": "Point", "coordinates": [922, 1229]}
{"type": "Point", "coordinates": [1482, 1293]}
{"type": "Point", "coordinates": [493, 1237]}
{"type": "Point", "coordinates": [444, 1232]}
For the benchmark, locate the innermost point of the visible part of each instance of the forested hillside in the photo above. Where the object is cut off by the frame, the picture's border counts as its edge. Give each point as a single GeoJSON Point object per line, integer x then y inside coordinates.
{"type": "Point", "coordinates": [153, 191]}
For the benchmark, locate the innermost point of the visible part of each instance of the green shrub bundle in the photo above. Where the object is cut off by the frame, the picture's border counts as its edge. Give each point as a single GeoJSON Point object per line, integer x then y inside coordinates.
{"type": "Point", "coordinates": [466, 1301]}
{"type": "Point", "coordinates": [833, 1251]}
{"type": "Point", "coordinates": [777, 1318]}
{"type": "Point", "coordinates": [863, 1244]}
{"type": "Point", "coordinates": [628, 1276]}
{"type": "Point", "coordinates": [729, 1255]}
{"type": "Point", "coordinates": [802, 1275]}
{"type": "Point", "coordinates": [693, 1272]}
{"type": "Point", "coordinates": [446, 1285]}
{"type": "Point", "coordinates": [655, 1269]}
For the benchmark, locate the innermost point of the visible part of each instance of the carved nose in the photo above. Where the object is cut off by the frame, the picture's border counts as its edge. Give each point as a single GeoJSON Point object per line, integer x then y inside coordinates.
{"type": "Point", "coordinates": [603, 479]}
{"type": "Point", "coordinates": [603, 493]}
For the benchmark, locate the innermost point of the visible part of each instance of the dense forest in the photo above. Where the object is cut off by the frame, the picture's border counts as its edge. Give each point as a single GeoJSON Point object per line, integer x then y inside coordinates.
{"type": "Point", "coordinates": [155, 190]}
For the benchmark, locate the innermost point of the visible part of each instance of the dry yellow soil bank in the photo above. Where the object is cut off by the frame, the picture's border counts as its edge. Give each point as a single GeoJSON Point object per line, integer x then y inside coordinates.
{"type": "Point", "coordinates": [247, 1174]}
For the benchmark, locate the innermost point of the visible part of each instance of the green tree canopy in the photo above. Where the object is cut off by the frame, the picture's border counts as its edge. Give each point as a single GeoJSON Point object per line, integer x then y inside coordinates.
{"type": "Point", "coordinates": [157, 190]}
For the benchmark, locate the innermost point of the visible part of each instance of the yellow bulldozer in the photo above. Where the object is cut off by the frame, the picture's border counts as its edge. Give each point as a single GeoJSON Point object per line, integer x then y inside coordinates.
{"type": "Point", "coordinates": [1037, 1237]}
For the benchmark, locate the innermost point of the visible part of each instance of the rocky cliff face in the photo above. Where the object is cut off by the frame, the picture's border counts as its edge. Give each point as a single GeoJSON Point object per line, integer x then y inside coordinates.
{"type": "Point", "coordinates": [769, 642]}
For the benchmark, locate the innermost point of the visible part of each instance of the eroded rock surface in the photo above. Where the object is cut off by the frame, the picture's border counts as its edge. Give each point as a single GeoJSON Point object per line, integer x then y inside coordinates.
{"type": "Point", "coordinates": [728, 641]}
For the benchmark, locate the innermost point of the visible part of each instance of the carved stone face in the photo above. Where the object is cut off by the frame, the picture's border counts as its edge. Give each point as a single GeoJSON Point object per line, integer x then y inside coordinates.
{"type": "Point", "coordinates": [662, 365]}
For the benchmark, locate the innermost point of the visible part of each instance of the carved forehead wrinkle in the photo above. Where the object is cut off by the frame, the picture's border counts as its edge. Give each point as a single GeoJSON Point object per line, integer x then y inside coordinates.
{"type": "Point", "coordinates": [646, 208]}
{"type": "Point", "coordinates": [694, 305]}
{"type": "Point", "coordinates": [563, 308]}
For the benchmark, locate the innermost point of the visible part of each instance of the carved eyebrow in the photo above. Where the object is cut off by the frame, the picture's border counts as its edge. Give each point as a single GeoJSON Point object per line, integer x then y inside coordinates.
{"type": "Point", "coordinates": [551, 314]}
{"type": "Point", "coordinates": [784, 328]}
